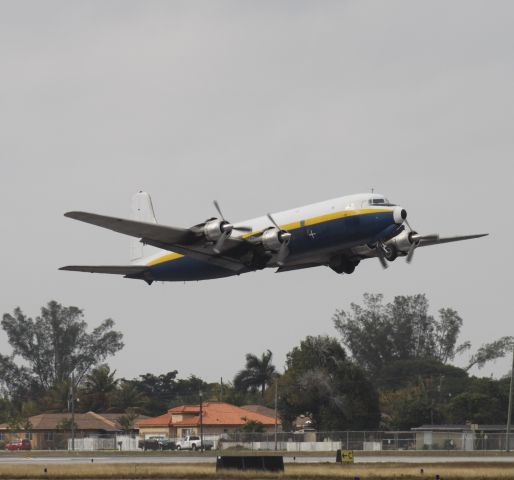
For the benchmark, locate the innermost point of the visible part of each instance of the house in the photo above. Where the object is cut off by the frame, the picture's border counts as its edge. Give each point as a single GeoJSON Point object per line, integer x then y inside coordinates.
{"type": "Point", "coordinates": [49, 431]}
{"type": "Point", "coordinates": [218, 418]}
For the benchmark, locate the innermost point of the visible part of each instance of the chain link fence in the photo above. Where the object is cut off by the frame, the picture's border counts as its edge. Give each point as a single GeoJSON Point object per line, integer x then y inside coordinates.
{"type": "Point", "coordinates": [366, 441]}
{"type": "Point", "coordinates": [308, 441]}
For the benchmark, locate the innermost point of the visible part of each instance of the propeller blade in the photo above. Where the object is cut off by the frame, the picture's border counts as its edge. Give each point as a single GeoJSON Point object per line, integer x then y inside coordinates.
{"type": "Point", "coordinates": [217, 207]}
{"type": "Point", "coordinates": [219, 243]}
{"type": "Point", "coordinates": [272, 221]}
{"type": "Point", "coordinates": [282, 254]}
{"type": "Point", "coordinates": [243, 229]}
{"type": "Point", "coordinates": [380, 256]}
{"type": "Point", "coordinates": [410, 253]}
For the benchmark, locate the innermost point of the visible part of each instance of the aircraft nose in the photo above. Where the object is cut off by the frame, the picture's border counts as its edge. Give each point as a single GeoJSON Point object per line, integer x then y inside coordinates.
{"type": "Point", "coordinates": [399, 214]}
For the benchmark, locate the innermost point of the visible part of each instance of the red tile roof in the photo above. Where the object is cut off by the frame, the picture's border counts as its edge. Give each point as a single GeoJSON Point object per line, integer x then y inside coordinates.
{"type": "Point", "coordinates": [214, 413]}
{"type": "Point", "coordinates": [160, 421]}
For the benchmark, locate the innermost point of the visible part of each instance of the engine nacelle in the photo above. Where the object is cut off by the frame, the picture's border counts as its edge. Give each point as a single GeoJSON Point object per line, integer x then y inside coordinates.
{"type": "Point", "coordinates": [214, 229]}
{"type": "Point", "coordinates": [401, 242]}
{"type": "Point", "coordinates": [273, 238]}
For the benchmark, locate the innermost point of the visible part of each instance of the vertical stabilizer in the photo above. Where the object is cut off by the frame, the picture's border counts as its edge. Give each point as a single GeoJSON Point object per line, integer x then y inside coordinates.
{"type": "Point", "coordinates": [142, 211]}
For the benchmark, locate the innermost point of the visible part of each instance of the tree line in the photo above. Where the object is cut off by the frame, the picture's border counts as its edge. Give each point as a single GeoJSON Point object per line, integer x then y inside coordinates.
{"type": "Point", "coordinates": [391, 366]}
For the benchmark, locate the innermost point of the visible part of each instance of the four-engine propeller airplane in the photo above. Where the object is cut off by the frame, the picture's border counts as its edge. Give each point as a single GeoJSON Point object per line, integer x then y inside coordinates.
{"type": "Point", "coordinates": [337, 233]}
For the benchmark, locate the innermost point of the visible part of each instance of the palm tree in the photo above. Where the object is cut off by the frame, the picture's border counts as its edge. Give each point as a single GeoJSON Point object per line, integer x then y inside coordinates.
{"type": "Point", "coordinates": [127, 396]}
{"type": "Point", "coordinates": [99, 388]}
{"type": "Point", "coordinates": [258, 373]}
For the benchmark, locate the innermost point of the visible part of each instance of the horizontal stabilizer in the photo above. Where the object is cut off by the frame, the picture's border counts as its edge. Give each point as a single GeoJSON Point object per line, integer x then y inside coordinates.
{"type": "Point", "coordinates": [113, 269]}
{"type": "Point", "coordinates": [153, 231]}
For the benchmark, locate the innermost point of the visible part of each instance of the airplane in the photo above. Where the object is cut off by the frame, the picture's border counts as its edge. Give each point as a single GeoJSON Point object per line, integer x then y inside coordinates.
{"type": "Point", "coordinates": [337, 233]}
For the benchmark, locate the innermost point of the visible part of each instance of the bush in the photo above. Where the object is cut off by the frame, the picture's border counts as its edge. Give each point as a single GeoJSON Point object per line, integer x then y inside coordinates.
{"type": "Point", "coordinates": [448, 444]}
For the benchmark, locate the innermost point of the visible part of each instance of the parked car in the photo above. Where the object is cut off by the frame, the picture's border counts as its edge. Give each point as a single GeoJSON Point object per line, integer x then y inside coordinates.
{"type": "Point", "coordinates": [156, 444]}
{"type": "Point", "coordinates": [193, 443]}
{"type": "Point", "coordinates": [167, 444]}
{"type": "Point", "coordinates": [148, 444]}
{"type": "Point", "coordinates": [19, 444]}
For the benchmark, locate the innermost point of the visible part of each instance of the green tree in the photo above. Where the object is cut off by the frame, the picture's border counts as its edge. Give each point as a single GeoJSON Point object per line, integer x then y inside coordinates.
{"type": "Point", "coordinates": [257, 374]}
{"type": "Point", "coordinates": [188, 391]}
{"type": "Point", "coordinates": [379, 334]}
{"type": "Point", "coordinates": [253, 426]}
{"type": "Point", "coordinates": [409, 407]}
{"type": "Point", "coordinates": [484, 401]}
{"type": "Point", "coordinates": [127, 420]}
{"type": "Point", "coordinates": [56, 343]}
{"type": "Point", "coordinates": [230, 394]}
{"type": "Point", "coordinates": [98, 389]}
{"type": "Point", "coordinates": [402, 373]}
{"type": "Point", "coordinates": [160, 390]}
{"type": "Point", "coordinates": [127, 396]}
{"type": "Point", "coordinates": [16, 382]}
{"type": "Point", "coordinates": [322, 383]}
{"type": "Point", "coordinates": [491, 351]}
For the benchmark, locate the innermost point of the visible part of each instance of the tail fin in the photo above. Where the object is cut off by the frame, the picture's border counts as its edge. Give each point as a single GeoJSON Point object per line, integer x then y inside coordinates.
{"type": "Point", "coordinates": [142, 210]}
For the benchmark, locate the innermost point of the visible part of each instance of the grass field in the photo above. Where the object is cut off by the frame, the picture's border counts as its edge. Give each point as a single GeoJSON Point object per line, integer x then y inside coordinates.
{"type": "Point", "coordinates": [388, 471]}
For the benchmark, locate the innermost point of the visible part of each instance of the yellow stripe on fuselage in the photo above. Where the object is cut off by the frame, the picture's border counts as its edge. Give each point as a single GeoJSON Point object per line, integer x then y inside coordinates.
{"type": "Point", "coordinates": [165, 258]}
{"type": "Point", "coordinates": [288, 226]}
{"type": "Point", "coordinates": [342, 214]}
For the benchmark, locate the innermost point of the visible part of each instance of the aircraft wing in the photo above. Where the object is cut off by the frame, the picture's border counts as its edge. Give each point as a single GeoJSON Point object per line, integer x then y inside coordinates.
{"type": "Point", "coordinates": [154, 231]}
{"type": "Point", "coordinates": [174, 239]}
{"type": "Point", "coordinates": [113, 269]}
{"type": "Point", "coordinates": [454, 238]}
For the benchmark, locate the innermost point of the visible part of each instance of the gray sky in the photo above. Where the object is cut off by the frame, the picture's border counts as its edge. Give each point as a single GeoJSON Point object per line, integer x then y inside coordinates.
{"type": "Point", "coordinates": [264, 106]}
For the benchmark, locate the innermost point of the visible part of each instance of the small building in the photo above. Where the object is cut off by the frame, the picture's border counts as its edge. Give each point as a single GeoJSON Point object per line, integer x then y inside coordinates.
{"type": "Point", "coordinates": [460, 437]}
{"type": "Point", "coordinates": [49, 431]}
{"type": "Point", "coordinates": [217, 418]}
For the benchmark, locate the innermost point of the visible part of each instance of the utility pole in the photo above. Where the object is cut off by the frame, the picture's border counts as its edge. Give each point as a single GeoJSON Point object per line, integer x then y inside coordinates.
{"type": "Point", "coordinates": [276, 411]}
{"type": "Point", "coordinates": [201, 421]}
{"type": "Point", "coordinates": [73, 411]}
{"type": "Point", "coordinates": [509, 414]}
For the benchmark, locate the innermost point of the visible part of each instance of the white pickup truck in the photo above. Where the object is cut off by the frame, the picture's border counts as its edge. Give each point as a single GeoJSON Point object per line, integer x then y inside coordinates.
{"type": "Point", "coordinates": [193, 443]}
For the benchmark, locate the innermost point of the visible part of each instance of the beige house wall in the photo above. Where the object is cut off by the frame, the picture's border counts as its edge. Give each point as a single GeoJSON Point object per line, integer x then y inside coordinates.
{"type": "Point", "coordinates": [146, 432]}
{"type": "Point", "coordinates": [215, 430]}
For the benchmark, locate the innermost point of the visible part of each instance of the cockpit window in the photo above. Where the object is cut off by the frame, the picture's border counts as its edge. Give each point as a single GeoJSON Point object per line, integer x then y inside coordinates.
{"type": "Point", "coordinates": [380, 201]}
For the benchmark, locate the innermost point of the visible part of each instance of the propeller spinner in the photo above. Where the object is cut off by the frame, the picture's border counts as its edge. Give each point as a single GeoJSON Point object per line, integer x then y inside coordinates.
{"type": "Point", "coordinates": [226, 229]}
{"type": "Point", "coordinates": [283, 237]}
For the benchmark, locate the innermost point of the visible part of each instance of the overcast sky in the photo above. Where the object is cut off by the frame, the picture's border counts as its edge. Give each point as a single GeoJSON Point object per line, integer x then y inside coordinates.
{"type": "Point", "coordinates": [264, 106]}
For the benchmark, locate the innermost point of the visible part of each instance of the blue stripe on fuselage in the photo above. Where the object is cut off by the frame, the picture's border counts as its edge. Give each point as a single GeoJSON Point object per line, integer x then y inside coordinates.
{"type": "Point", "coordinates": [339, 233]}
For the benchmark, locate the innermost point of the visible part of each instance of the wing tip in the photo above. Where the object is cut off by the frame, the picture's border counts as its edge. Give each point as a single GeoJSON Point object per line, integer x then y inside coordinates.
{"type": "Point", "coordinates": [73, 214]}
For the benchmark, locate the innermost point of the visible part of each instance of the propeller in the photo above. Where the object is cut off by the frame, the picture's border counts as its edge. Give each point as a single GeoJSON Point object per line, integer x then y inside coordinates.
{"type": "Point", "coordinates": [380, 255]}
{"type": "Point", "coordinates": [284, 238]}
{"type": "Point", "coordinates": [226, 229]}
{"type": "Point", "coordinates": [415, 239]}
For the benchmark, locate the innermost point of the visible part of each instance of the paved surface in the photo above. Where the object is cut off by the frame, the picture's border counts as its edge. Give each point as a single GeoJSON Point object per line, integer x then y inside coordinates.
{"type": "Point", "coordinates": [288, 459]}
